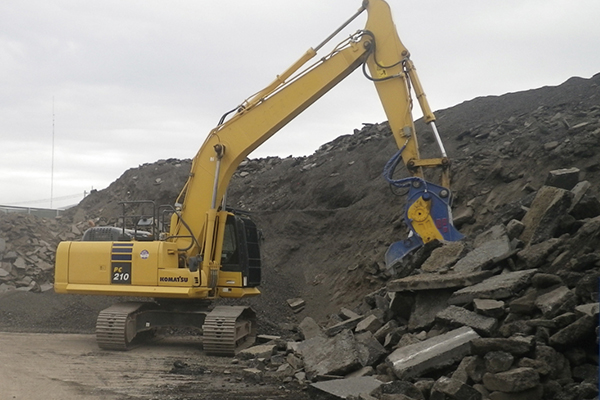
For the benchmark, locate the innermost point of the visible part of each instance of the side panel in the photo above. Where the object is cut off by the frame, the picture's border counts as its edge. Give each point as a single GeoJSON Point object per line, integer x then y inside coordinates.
{"type": "Point", "coordinates": [89, 262]}
{"type": "Point", "coordinates": [114, 263]}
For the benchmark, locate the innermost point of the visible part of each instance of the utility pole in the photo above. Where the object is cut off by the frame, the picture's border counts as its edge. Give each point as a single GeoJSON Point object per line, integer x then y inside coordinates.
{"type": "Point", "coordinates": [52, 167]}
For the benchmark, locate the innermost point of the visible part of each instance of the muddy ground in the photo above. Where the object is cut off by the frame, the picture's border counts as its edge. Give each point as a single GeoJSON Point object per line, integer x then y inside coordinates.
{"type": "Point", "coordinates": [70, 367]}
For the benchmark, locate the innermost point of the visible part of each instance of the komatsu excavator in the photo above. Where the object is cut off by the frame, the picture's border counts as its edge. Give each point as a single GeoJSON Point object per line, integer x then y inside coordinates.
{"type": "Point", "coordinates": [204, 251]}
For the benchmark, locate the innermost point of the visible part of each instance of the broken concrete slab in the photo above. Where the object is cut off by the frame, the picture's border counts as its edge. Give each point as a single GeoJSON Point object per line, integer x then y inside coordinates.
{"type": "Point", "coordinates": [578, 192]}
{"type": "Point", "coordinates": [364, 371]}
{"type": "Point", "coordinates": [431, 354]}
{"type": "Point", "coordinates": [309, 328]}
{"type": "Point", "coordinates": [253, 374]}
{"type": "Point", "coordinates": [587, 207]}
{"type": "Point", "coordinates": [370, 324]}
{"type": "Point", "coordinates": [344, 388]}
{"type": "Point", "coordinates": [340, 326]}
{"type": "Point", "coordinates": [489, 307]}
{"type": "Point", "coordinates": [578, 331]}
{"type": "Point", "coordinates": [497, 287]}
{"type": "Point", "coordinates": [461, 374]}
{"type": "Point", "coordinates": [348, 314]}
{"type": "Point", "coordinates": [370, 351]}
{"type": "Point", "coordinates": [443, 257]}
{"type": "Point", "coordinates": [556, 302]}
{"type": "Point", "coordinates": [437, 281]}
{"type": "Point", "coordinates": [498, 361]}
{"type": "Point", "coordinates": [535, 255]}
{"type": "Point", "coordinates": [330, 356]}
{"type": "Point", "coordinates": [453, 388]}
{"type": "Point", "coordinates": [398, 388]}
{"type": "Point", "coordinates": [516, 345]}
{"type": "Point", "coordinates": [494, 233]}
{"type": "Point", "coordinates": [385, 329]}
{"type": "Point", "coordinates": [483, 256]}
{"type": "Point", "coordinates": [565, 178]}
{"type": "Point", "coordinates": [543, 281]}
{"type": "Point", "coordinates": [260, 351]}
{"type": "Point", "coordinates": [535, 393]}
{"type": "Point", "coordinates": [428, 303]}
{"type": "Point", "coordinates": [590, 309]}
{"type": "Point", "coordinates": [514, 380]}
{"type": "Point", "coordinates": [542, 219]}
{"type": "Point", "coordinates": [294, 361]}
{"type": "Point", "coordinates": [454, 316]}
{"type": "Point", "coordinates": [296, 304]}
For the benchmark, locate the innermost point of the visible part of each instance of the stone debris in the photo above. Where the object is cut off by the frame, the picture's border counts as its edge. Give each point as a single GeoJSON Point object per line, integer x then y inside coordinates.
{"type": "Point", "coordinates": [565, 178]}
{"type": "Point", "coordinates": [309, 328]}
{"type": "Point", "coordinates": [343, 389]}
{"type": "Point", "coordinates": [497, 287]}
{"type": "Point", "coordinates": [27, 250]}
{"type": "Point", "coordinates": [458, 316]}
{"type": "Point", "coordinates": [497, 329]}
{"type": "Point", "coordinates": [296, 304]}
{"type": "Point", "coordinates": [442, 281]}
{"type": "Point", "coordinates": [432, 354]}
{"type": "Point", "coordinates": [542, 219]}
{"type": "Point", "coordinates": [330, 356]}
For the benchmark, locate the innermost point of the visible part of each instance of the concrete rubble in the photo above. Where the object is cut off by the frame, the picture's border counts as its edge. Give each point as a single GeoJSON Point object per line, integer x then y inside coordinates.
{"type": "Point", "coordinates": [27, 250]}
{"type": "Point", "coordinates": [491, 328]}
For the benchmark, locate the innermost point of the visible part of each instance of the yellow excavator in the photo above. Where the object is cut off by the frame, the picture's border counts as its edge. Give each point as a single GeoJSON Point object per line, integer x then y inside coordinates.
{"type": "Point", "coordinates": [184, 256]}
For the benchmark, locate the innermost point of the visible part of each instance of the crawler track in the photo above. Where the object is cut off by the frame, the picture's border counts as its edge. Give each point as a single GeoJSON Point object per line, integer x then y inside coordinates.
{"type": "Point", "coordinates": [228, 330]}
{"type": "Point", "coordinates": [116, 325]}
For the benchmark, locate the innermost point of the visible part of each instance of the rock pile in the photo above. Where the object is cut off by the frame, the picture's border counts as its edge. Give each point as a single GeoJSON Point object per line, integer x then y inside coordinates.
{"type": "Point", "coordinates": [27, 250]}
{"type": "Point", "coordinates": [510, 314]}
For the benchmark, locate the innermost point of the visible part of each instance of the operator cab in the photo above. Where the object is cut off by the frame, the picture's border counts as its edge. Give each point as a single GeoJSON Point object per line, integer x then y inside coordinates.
{"type": "Point", "coordinates": [241, 249]}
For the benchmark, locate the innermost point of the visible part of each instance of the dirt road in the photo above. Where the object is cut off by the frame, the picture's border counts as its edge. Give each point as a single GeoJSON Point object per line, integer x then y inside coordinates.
{"type": "Point", "coordinates": [70, 366]}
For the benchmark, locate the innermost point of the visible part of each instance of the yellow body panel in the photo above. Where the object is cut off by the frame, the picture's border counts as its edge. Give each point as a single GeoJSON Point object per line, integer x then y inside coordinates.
{"type": "Point", "coordinates": [237, 292]}
{"type": "Point", "coordinates": [135, 291]}
{"type": "Point", "coordinates": [121, 269]}
{"type": "Point", "coordinates": [230, 279]}
{"type": "Point", "coordinates": [420, 215]}
{"type": "Point", "coordinates": [178, 277]}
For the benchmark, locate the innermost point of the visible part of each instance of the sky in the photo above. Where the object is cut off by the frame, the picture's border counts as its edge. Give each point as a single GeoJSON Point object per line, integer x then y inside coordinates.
{"type": "Point", "coordinates": [90, 89]}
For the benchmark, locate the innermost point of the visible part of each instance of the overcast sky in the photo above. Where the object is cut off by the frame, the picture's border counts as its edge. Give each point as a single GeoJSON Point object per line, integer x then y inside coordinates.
{"type": "Point", "coordinates": [122, 83]}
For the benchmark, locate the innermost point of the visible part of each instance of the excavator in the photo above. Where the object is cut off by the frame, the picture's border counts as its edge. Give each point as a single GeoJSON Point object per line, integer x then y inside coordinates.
{"type": "Point", "coordinates": [184, 256]}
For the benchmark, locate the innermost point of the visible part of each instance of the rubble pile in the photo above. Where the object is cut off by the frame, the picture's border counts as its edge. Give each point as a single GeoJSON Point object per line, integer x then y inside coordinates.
{"type": "Point", "coordinates": [27, 249]}
{"type": "Point", "coordinates": [510, 314]}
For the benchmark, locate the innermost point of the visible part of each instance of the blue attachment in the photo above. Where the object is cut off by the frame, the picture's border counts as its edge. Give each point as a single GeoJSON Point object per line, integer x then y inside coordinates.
{"type": "Point", "coordinates": [398, 250]}
{"type": "Point", "coordinates": [440, 198]}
